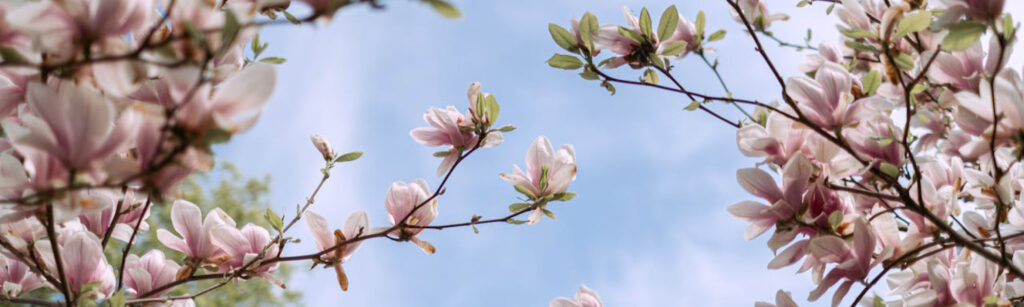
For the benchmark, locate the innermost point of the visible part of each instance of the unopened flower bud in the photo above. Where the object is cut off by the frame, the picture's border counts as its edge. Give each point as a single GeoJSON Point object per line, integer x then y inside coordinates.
{"type": "Point", "coordinates": [323, 146]}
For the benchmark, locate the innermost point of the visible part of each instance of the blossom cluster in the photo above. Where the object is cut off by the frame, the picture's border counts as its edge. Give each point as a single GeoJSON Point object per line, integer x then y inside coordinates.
{"type": "Point", "coordinates": [893, 157]}
{"type": "Point", "coordinates": [107, 105]}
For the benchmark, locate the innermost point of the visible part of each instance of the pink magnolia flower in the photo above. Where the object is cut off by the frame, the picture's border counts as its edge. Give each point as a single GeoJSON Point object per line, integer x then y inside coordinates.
{"type": "Point", "coordinates": [322, 146]}
{"type": "Point", "coordinates": [961, 69]}
{"type": "Point", "coordinates": [98, 221]}
{"type": "Point", "coordinates": [784, 202]}
{"type": "Point", "coordinates": [357, 224]}
{"type": "Point", "coordinates": [975, 110]}
{"type": "Point", "coordinates": [854, 262]}
{"type": "Point", "coordinates": [981, 10]}
{"type": "Point", "coordinates": [877, 139]}
{"type": "Point", "coordinates": [826, 98]}
{"type": "Point", "coordinates": [756, 12]}
{"type": "Point", "coordinates": [557, 167]}
{"type": "Point", "coordinates": [83, 260]}
{"type": "Point", "coordinates": [402, 199]}
{"type": "Point", "coordinates": [245, 246]}
{"type": "Point", "coordinates": [778, 140]}
{"type": "Point", "coordinates": [630, 51]}
{"type": "Point", "coordinates": [782, 299]}
{"type": "Point", "coordinates": [146, 273]}
{"type": "Point", "coordinates": [449, 127]}
{"type": "Point", "coordinates": [58, 25]}
{"type": "Point", "coordinates": [585, 297]}
{"type": "Point", "coordinates": [827, 53]}
{"type": "Point", "coordinates": [16, 278]}
{"type": "Point", "coordinates": [196, 234]}
{"type": "Point", "coordinates": [74, 123]}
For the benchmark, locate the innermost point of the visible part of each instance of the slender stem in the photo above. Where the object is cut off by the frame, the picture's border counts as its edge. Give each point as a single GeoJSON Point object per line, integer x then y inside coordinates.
{"type": "Point", "coordinates": [131, 241]}
{"type": "Point", "coordinates": [52, 234]}
{"type": "Point", "coordinates": [714, 68]}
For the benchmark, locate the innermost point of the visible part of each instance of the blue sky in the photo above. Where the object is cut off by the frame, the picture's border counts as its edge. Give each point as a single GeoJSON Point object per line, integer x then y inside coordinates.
{"type": "Point", "coordinates": [649, 227]}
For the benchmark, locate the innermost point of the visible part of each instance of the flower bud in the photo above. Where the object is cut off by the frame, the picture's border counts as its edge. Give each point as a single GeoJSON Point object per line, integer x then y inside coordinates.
{"type": "Point", "coordinates": [323, 146]}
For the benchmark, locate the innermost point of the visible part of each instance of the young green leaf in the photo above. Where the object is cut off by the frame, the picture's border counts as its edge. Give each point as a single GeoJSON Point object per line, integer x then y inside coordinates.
{"type": "Point", "coordinates": [699, 23]}
{"type": "Point", "coordinates": [963, 35]}
{"type": "Point", "coordinates": [274, 220]}
{"type": "Point", "coordinates": [588, 29]}
{"type": "Point", "coordinates": [718, 35]}
{"type": "Point", "coordinates": [645, 23]}
{"type": "Point", "coordinates": [871, 82]}
{"type": "Point", "coordinates": [445, 9]}
{"type": "Point", "coordinates": [627, 33]}
{"type": "Point", "coordinates": [913, 23]}
{"type": "Point", "coordinates": [674, 49]}
{"type": "Point", "coordinates": [668, 23]}
{"type": "Point", "coordinates": [650, 76]}
{"type": "Point", "coordinates": [562, 37]}
{"type": "Point", "coordinates": [352, 156]}
{"type": "Point", "coordinates": [516, 207]}
{"type": "Point", "coordinates": [273, 60]}
{"type": "Point", "coordinates": [566, 62]}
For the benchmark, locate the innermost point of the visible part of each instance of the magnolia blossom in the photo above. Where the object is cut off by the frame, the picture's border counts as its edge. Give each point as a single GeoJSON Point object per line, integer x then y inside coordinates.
{"type": "Point", "coordinates": [322, 146]}
{"type": "Point", "coordinates": [449, 127]}
{"type": "Point", "coordinates": [196, 233]}
{"type": "Point", "coordinates": [411, 204]}
{"type": "Point", "coordinates": [83, 261]}
{"type": "Point", "coordinates": [244, 246]}
{"type": "Point", "coordinates": [357, 224]}
{"type": "Point", "coordinates": [585, 297]}
{"type": "Point", "coordinates": [548, 172]}
{"type": "Point", "coordinates": [55, 125]}
{"type": "Point", "coordinates": [782, 299]}
{"type": "Point", "coordinates": [633, 52]}
{"type": "Point", "coordinates": [16, 278]}
{"type": "Point", "coordinates": [59, 25]}
{"type": "Point", "coordinates": [756, 12]}
{"type": "Point", "coordinates": [146, 273]}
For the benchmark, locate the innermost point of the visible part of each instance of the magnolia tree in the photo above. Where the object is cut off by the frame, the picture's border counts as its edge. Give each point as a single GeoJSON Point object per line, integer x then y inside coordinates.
{"type": "Point", "coordinates": [896, 154]}
{"type": "Point", "coordinates": [107, 105]}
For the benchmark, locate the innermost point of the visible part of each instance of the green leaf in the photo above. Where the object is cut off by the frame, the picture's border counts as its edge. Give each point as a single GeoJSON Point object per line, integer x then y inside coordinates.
{"type": "Point", "coordinates": [913, 23]}
{"type": "Point", "coordinates": [229, 31]}
{"type": "Point", "coordinates": [589, 75]}
{"type": "Point", "coordinates": [352, 156]}
{"type": "Point", "coordinates": [627, 33]}
{"type": "Point", "coordinates": [516, 207]}
{"type": "Point", "coordinates": [507, 128]}
{"type": "Point", "coordinates": [588, 28]}
{"type": "Point", "coordinates": [565, 196]}
{"type": "Point", "coordinates": [548, 213]}
{"type": "Point", "coordinates": [645, 22]}
{"type": "Point", "coordinates": [274, 220]}
{"type": "Point", "coordinates": [668, 23]}
{"type": "Point", "coordinates": [1008, 29]}
{"type": "Point", "coordinates": [803, 3]}
{"type": "Point", "coordinates": [566, 62]}
{"type": "Point", "coordinates": [11, 56]}
{"type": "Point", "coordinates": [273, 60]}
{"type": "Point", "coordinates": [442, 154]}
{"type": "Point", "coordinates": [858, 34]}
{"type": "Point", "coordinates": [830, 8]}
{"type": "Point", "coordinates": [543, 178]}
{"type": "Point", "coordinates": [878, 302]}
{"type": "Point", "coordinates": [117, 300]}
{"type": "Point", "coordinates": [562, 37]}
{"type": "Point", "coordinates": [491, 108]}
{"type": "Point", "coordinates": [904, 61]}
{"type": "Point", "coordinates": [963, 35]}
{"type": "Point", "coordinates": [291, 18]}
{"type": "Point", "coordinates": [693, 106]}
{"type": "Point", "coordinates": [650, 76]}
{"type": "Point", "coordinates": [475, 231]}
{"type": "Point", "coordinates": [700, 23]}
{"type": "Point", "coordinates": [871, 82]}
{"type": "Point", "coordinates": [674, 49]}
{"type": "Point", "coordinates": [516, 222]}
{"type": "Point", "coordinates": [445, 9]}
{"type": "Point", "coordinates": [835, 218]}
{"type": "Point", "coordinates": [889, 169]}
{"type": "Point", "coordinates": [523, 190]}
{"type": "Point", "coordinates": [608, 86]}
{"type": "Point", "coordinates": [718, 35]}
